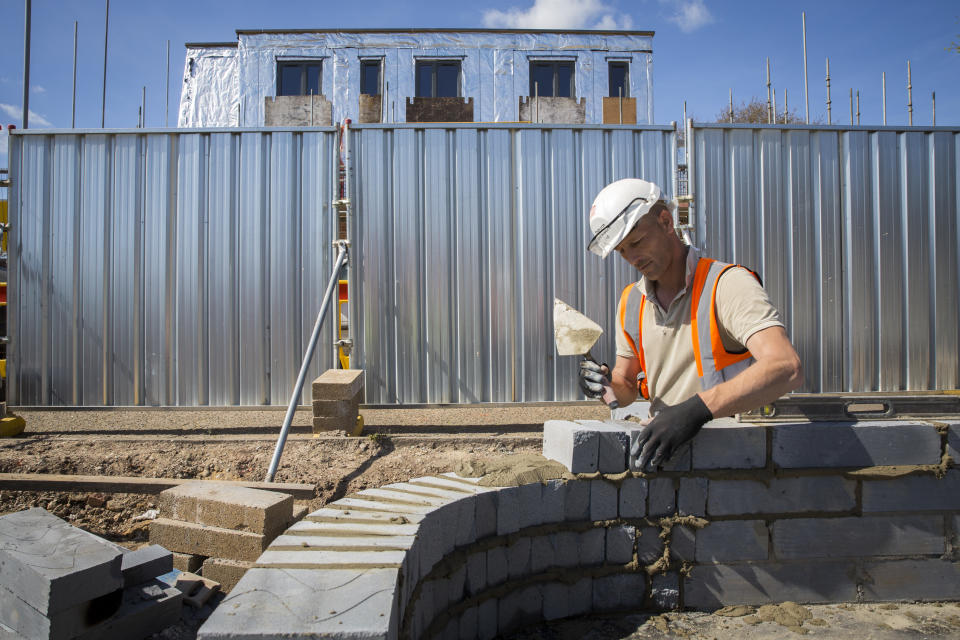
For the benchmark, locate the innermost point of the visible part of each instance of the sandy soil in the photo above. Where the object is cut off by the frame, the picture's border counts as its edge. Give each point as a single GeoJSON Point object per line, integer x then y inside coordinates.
{"type": "Point", "coordinates": [398, 444]}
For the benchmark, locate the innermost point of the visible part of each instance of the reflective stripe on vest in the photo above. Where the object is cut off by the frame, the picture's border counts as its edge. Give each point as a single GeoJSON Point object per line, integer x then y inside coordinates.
{"type": "Point", "coordinates": [714, 363]}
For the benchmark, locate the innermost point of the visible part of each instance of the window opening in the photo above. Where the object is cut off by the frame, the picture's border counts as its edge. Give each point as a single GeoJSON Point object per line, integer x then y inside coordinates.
{"type": "Point", "coordinates": [370, 77]}
{"type": "Point", "coordinates": [551, 79]}
{"type": "Point", "coordinates": [438, 79]}
{"type": "Point", "coordinates": [298, 78]}
{"type": "Point", "coordinates": [619, 79]}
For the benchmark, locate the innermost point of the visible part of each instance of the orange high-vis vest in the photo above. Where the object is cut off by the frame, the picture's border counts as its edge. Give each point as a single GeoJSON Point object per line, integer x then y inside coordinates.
{"type": "Point", "coordinates": [714, 363]}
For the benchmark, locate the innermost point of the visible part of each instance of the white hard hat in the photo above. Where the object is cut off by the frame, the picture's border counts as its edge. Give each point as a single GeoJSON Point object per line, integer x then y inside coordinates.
{"type": "Point", "coordinates": [616, 210]}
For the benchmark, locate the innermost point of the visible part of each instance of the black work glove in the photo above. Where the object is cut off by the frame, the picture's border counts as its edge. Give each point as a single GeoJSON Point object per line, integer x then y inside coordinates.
{"type": "Point", "coordinates": [668, 430]}
{"type": "Point", "coordinates": [594, 378]}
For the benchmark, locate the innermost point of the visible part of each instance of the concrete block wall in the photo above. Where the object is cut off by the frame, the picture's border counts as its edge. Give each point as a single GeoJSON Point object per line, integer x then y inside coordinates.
{"type": "Point", "coordinates": [337, 395]}
{"type": "Point", "coordinates": [737, 521]}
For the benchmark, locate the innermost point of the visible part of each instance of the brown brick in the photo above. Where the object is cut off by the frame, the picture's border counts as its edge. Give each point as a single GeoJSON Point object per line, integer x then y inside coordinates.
{"type": "Point", "coordinates": [322, 424]}
{"type": "Point", "coordinates": [226, 572]}
{"type": "Point", "coordinates": [187, 537]}
{"type": "Point", "coordinates": [336, 408]}
{"type": "Point", "coordinates": [338, 384]}
{"type": "Point", "coordinates": [228, 506]}
{"type": "Point", "coordinates": [187, 562]}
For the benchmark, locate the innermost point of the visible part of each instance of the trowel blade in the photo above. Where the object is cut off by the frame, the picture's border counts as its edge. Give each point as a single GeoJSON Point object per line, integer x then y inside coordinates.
{"type": "Point", "coordinates": [574, 332]}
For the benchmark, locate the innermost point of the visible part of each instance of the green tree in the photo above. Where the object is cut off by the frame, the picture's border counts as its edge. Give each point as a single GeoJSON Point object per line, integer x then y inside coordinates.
{"type": "Point", "coordinates": [755, 112]}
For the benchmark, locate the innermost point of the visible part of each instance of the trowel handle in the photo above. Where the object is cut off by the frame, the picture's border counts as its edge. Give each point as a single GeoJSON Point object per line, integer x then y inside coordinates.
{"type": "Point", "coordinates": [609, 397]}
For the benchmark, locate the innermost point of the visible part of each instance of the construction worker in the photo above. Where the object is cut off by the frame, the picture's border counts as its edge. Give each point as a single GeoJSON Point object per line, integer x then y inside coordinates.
{"type": "Point", "coordinates": [697, 337]}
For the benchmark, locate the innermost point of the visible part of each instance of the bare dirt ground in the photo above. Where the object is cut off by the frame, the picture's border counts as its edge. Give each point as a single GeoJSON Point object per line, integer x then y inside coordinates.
{"type": "Point", "coordinates": [398, 444]}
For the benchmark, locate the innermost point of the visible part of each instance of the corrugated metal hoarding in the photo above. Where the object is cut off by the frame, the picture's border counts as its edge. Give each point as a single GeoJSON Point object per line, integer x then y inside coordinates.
{"type": "Point", "coordinates": [854, 231]}
{"type": "Point", "coordinates": [167, 268]}
{"type": "Point", "coordinates": [463, 235]}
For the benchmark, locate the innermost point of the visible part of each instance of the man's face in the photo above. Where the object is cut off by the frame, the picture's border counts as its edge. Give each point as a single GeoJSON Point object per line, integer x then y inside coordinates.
{"type": "Point", "coordinates": [647, 246]}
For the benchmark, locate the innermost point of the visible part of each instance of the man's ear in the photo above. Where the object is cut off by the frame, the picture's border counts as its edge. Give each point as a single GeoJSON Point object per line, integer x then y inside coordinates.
{"type": "Point", "coordinates": [665, 219]}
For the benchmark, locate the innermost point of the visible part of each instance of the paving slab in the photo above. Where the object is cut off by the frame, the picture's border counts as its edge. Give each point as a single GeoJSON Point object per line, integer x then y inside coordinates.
{"type": "Point", "coordinates": [52, 565]}
{"type": "Point", "coordinates": [211, 542]}
{"type": "Point", "coordinates": [228, 506]}
{"type": "Point", "coordinates": [298, 603]}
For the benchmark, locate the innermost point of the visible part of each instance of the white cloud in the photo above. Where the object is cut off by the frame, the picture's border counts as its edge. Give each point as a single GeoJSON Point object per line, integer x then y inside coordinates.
{"type": "Point", "coordinates": [16, 115]}
{"type": "Point", "coordinates": [688, 15]}
{"type": "Point", "coordinates": [557, 14]}
{"type": "Point", "coordinates": [3, 146]}
{"type": "Point", "coordinates": [38, 89]}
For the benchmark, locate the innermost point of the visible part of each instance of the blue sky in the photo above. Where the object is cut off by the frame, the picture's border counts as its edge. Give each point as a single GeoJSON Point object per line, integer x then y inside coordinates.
{"type": "Point", "coordinates": [702, 48]}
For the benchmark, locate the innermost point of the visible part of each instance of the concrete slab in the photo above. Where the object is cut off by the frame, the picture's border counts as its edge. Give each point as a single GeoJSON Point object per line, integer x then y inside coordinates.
{"type": "Point", "coordinates": [228, 506]}
{"type": "Point", "coordinates": [52, 565]}
{"type": "Point", "coordinates": [298, 603]}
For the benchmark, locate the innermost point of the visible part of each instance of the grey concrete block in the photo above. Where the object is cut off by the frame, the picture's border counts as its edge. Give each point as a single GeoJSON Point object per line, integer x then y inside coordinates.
{"type": "Point", "coordinates": [572, 445]}
{"type": "Point", "coordinates": [552, 501]}
{"type": "Point", "coordinates": [542, 553]}
{"type": "Point", "coordinates": [60, 625]}
{"type": "Point", "coordinates": [692, 497]}
{"type": "Point", "coordinates": [603, 500]}
{"type": "Point", "coordinates": [468, 624]}
{"type": "Point", "coordinates": [728, 444]}
{"type": "Point", "coordinates": [665, 591]}
{"type": "Point", "coordinates": [487, 619]}
{"type": "Point", "coordinates": [591, 548]}
{"type": "Point", "coordinates": [633, 498]}
{"type": "Point", "coordinates": [619, 592]}
{"type": "Point", "coordinates": [713, 586]}
{"type": "Point", "coordinates": [913, 493]}
{"type": "Point", "coordinates": [531, 505]}
{"type": "Point", "coordinates": [781, 495]}
{"type": "Point", "coordinates": [145, 563]}
{"type": "Point", "coordinates": [580, 597]}
{"type": "Point", "coordinates": [663, 497]}
{"type": "Point", "coordinates": [860, 444]}
{"type": "Point", "coordinates": [476, 572]}
{"type": "Point", "coordinates": [146, 609]}
{"type": "Point", "coordinates": [422, 609]}
{"type": "Point", "coordinates": [508, 613]}
{"type": "Point", "coordinates": [498, 568]}
{"type": "Point", "coordinates": [518, 558]}
{"type": "Point", "coordinates": [485, 515]}
{"type": "Point", "coordinates": [576, 505]}
{"type": "Point", "coordinates": [508, 510]}
{"type": "Point", "coordinates": [613, 444]}
{"type": "Point", "coordinates": [639, 409]}
{"type": "Point", "coordinates": [556, 603]}
{"type": "Point", "coordinates": [620, 539]}
{"type": "Point", "coordinates": [649, 545]}
{"type": "Point", "coordinates": [270, 603]}
{"type": "Point", "coordinates": [531, 604]}
{"type": "Point", "coordinates": [567, 546]}
{"type": "Point", "coordinates": [953, 441]}
{"type": "Point", "coordinates": [683, 543]}
{"type": "Point", "coordinates": [53, 566]}
{"type": "Point", "coordinates": [933, 579]}
{"type": "Point", "coordinates": [680, 460]}
{"type": "Point", "coordinates": [858, 537]}
{"type": "Point", "coordinates": [732, 541]}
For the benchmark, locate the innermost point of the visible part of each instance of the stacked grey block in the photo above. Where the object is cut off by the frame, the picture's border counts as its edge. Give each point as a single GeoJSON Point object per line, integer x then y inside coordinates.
{"type": "Point", "coordinates": [442, 556]}
{"type": "Point", "coordinates": [57, 581]}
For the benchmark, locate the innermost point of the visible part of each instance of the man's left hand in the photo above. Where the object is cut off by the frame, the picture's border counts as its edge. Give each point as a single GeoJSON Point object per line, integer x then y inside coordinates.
{"type": "Point", "coordinates": [668, 430]}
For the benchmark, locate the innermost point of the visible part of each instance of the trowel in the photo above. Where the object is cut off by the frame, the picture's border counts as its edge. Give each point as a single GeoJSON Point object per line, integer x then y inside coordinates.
{"type": "Point", "coordinates": [575, 335]}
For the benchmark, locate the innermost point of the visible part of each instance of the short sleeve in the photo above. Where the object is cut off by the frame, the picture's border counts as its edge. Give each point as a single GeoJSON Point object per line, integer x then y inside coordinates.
{"type": "Point", "coordinates": [743, 308]}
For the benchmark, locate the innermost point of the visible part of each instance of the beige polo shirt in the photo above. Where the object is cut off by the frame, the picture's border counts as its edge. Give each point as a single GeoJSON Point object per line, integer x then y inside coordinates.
{"type": "Point", "coordinates": [743, 308]}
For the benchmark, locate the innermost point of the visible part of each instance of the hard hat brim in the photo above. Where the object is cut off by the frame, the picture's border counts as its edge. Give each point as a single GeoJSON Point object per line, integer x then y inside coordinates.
{"type": "Point", "coordinates": [613, 233]}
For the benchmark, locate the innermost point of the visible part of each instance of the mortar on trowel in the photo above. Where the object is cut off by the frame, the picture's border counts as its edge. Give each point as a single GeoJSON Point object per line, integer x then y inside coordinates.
{"type": "Point", "coordinates": [575, 335]}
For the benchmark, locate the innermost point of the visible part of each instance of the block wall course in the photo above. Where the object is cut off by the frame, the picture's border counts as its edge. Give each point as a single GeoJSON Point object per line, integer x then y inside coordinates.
{"type": "Point", "coordinates": [932, 579]}
{"type": "Point", "coordinates": [338, 384]}
{"type": "Point", "coordinates": [228, 506]}
{"type": "Point", "coordinates": [52, 565]}
{"type": "Point", "coordinates": [781, 495]}
{"type": "Point", "coordinates": [732, 540]}
{"type": "Point", "coordinates": [728, 444]}
{"type": "Point", "coordinates": [858, 537]}
{"type": "Point", "coordinates": [913, 493]}
{"type": "Point", "coordinates": [710, 587]}
{"type": "Point", "coordinates": [861, 444]}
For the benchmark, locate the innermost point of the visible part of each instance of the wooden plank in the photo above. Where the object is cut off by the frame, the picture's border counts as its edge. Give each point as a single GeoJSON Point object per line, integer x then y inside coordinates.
{"type": "Point", "coordinates": [128, 484]}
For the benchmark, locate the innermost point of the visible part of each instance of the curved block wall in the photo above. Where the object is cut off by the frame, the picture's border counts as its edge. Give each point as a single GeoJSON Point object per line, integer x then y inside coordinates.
{"type": "Point", "coordinates": [750, 515]}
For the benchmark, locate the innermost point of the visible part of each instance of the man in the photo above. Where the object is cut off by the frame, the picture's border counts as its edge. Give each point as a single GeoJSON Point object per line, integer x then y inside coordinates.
{"type": "Point", "coordinates": [697, 337]}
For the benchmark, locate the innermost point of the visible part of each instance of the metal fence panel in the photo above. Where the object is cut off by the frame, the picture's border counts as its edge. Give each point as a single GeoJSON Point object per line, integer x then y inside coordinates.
{"type": "Point", "coordinates": [854, 231]}
{"type": "Point", "coordinates": [167, 267]}
{"type": "Point", "coordinates": [464, 234]}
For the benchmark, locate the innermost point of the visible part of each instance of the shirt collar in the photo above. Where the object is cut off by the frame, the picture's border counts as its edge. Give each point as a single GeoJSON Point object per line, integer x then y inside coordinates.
{"type": "Point", "coordinates": [693, 257]}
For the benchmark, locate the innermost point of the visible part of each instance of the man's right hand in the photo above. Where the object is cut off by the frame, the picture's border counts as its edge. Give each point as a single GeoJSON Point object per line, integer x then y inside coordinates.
{"type": "Point", "coordinates": [594, 378]}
